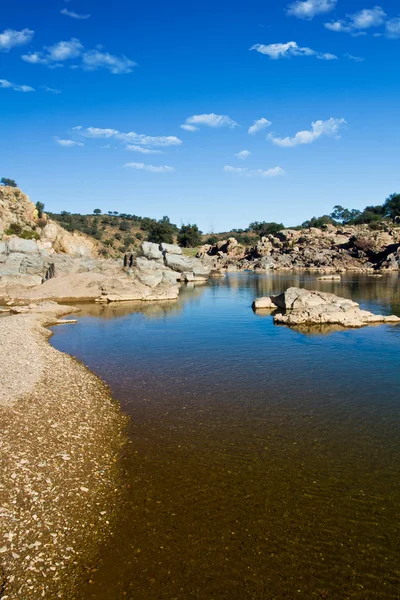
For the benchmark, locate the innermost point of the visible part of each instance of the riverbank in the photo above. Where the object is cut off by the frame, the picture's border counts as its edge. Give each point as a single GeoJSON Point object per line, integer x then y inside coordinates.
{"type": "Point", "coordinates": [61, 436]}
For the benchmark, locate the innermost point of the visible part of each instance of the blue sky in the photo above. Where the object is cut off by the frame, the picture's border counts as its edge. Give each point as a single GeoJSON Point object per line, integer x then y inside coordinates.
{"type": "Point", "coordinates": [93, 97]}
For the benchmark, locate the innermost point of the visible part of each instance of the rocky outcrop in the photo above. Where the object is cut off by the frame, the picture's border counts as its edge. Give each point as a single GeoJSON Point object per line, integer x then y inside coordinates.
{"type": "Point", "coordinates": [333, 249]}
{"type": "Point", "coordinates": [19, 216]}
{"type": "Point", "coordinates": [298, 306]}
{"type": "Point", "coordinates": [169, 259]}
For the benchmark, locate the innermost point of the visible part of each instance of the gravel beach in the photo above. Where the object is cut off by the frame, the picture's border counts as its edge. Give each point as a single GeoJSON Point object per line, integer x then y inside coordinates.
{"type": "Point", "coordinates": [61, 436]}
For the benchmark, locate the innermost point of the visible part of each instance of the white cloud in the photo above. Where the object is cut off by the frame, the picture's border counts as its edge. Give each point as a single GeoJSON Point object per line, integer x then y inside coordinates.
{"type": "Point", "coordinates": [46, 88]}
{"type": "Point", "coordinates": [64, 50]}
{"type": "Point", "coordinates": [307, 9]}
{"type": "Point", "coordinates": [259, 125]}
{"type": "Point", "coordinates": [16, 88]}
{"type": "Point", "coordinates": [73, 15]}
{"type": "Point", "coordinates": [94, 59]}
{"type": "Point", "coordinates": [354, 58]}
{"type": "Point", "coordinates": [128, 138]}
{"type": "Point", "coordinates": [272, 172]}
{"type": "Point", "coordinates": [142, 150]}
{"type": "Point", "coordinates": [189, 127]}
{"type": "Point", "coordinates": [393, 28]}
{"type": "Point", "coordinates": [243, 154]}
{"type": "Point", "coordinates": [209, 120]}
{"type": "Point", "coordinates": [239, 170]}
{"type": "Point", "coordinates": [91, 60]}
{"type": "Point", "coordinates": [361, 20]}
{"type": "Point", "coordinates": [67, 143]}
{"type": "Point", "coordinates": [289, 49]}
{"type": "Point", "coordinates": [330, 128]}
{"type": "Point", "coordinates": [150, 168]}
{"type": "Point", "coordinates": [10, 38]}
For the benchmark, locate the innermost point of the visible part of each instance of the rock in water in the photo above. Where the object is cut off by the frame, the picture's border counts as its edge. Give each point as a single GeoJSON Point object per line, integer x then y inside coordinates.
{"type": "Point", "coordinates": [304, 307]}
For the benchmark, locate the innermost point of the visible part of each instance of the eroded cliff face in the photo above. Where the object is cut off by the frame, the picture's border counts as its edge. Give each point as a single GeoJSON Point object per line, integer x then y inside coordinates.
{"type": "Point", "coordinates": [19, 217]}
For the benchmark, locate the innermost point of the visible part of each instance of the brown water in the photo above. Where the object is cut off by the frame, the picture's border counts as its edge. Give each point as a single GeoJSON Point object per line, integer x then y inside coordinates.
{"type": "Point", "coordinates": [264, 462]}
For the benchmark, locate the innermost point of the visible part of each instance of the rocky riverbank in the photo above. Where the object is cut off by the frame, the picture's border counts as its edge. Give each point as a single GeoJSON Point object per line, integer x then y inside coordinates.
{"type": "Point", "coordinates": [332, 249]}
{"type": "Point", "coordinates": [61, 436]}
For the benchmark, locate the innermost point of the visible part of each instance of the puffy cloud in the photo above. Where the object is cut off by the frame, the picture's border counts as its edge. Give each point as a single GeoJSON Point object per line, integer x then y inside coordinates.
{"type": "Point", "coordinates": [13, 86]}
{"type": "Point", "coordinates": [10, 38]}
{"type": "Point", "coordinates": [272, 172]}
{"type": "Point", "coordinates": [95, 59]}
{"type": "Point", "coordinates": [393, 28]}
{"type": "Point", "coordinates": [289, 49]}
{"type": "Point", "coordinates": [356, 22]}
{"type": "Point", "coordinates": [259, 125]}
{"type": "Point", "coordinates": [73, 15]}
{"type": "Point", "coordinates": [209, 120]}
{"type": "Point", "coordinates": [243, 154]}
{"type": "Point", "coordinates": [68, 143]}
{"type": "Point", "coordinates": [150, 168]}
{"type": "Point", "coordinates": [307, 9]}
{"type": "Point", "coordinates": [128, 138]}
{"type": "Point", "coordinates": [330, 128]}
{"type": "Point", "coordinates": [91, 60]}
{"type": "Point", "coordinates": [143, 150]}
{"type": "Point", "coordinates": [64, 50]}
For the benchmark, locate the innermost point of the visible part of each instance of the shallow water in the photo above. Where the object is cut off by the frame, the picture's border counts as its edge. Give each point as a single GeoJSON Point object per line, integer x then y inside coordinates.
{"type": "Point", "coordinates": [265, 461]}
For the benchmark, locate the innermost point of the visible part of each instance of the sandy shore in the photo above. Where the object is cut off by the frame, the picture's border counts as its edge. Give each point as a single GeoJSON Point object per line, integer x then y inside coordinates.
{"type": "Point", "coordinates": [60, 438]}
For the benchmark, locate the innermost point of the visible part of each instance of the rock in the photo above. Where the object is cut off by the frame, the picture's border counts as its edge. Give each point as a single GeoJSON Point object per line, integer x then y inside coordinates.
{"type": "Point", "coordinates": [303, 307]}
{"type": "Point", "coordinates": [171, 248]}
{"type": "Point", "coordinates": [329, 278]}
{"type": "Point", "coordinates": [3, 248]}
{"type": "Point", "coordinates": [152, 251]}
{"type": "Point", "coordinates": [16, 244]}
{"type": "Point", "coordinates": [263, 303]}
{"type": "Point", "coordinates": [184, 264]}
{"type": "Point", "coordinates": [299, 298]}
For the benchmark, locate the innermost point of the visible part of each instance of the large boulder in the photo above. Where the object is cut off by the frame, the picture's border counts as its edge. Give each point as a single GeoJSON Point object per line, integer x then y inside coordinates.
{"type": "Point", "coordinates": [185, 264]}
{"type": "Point", "coordinates": [16, 244]}
{"type": "Point", "coordinates": [152, 251]}
{"type": "Point", "coordinates": [171, 249]}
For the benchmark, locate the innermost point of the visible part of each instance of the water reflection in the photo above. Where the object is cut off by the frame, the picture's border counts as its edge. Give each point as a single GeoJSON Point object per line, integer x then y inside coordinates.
{"type": "Point", "coordinates": [264, 461]}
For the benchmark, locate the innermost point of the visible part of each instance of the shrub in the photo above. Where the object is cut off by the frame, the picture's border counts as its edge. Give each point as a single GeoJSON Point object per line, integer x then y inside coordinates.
{"type": "Point", "coordinates": [14, 229]}
{"type": "Point", "coordinates": [40, 209]}
{"type": "Point", "coordinates": [124, 226]}
{"type": "Point", "coordinates": [138, 236]}
{"type": "Point", "coordinates": [29, 235]}
{"type": "Point", "coordinates": [118, 236]}
{"type": "Point", "coordinates": [212, 239]}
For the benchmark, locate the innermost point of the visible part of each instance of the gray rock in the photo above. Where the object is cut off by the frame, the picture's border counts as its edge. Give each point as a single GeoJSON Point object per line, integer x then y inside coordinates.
{"type": "Point", "coordinates": [25, 246]}
{"type": "Point", "coordinates": [3, 248]}
{"type": "Point", "coordinates": [184, 264]}
{"type": "Point", "coordinates": [171, 248]}
{"type": "Point", "coordinates": [150, 279]}
{"type": "Point", "coordinates": [263, 303]}
{"type": "Point", "coordinates": [144, 264]}
{"type": "Point", "coordinates": [152, 251]}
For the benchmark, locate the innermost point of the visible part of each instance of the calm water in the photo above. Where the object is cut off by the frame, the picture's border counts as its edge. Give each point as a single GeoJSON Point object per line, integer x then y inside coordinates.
{"type": "Point", "coordinates": [265, 461]}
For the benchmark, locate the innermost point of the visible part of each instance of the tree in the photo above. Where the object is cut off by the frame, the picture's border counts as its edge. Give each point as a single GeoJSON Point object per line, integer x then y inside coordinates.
{"type": "Point", "coordinates": [9, 182]}
{"type": "Point", "coordinates": [262, 228]}
{"type": "Point", "coordinates": [97, 211]}
{"type": "Point", "coordinates": [161, 231]}
{"type": "Point", "coordinates": [318, 222]}
{"type": "Point", "coordinates": [392, 206]}
{"type": "Point", "coordinates": [40, 209]}
{"type": "Point", "coordinates": [189, 236]}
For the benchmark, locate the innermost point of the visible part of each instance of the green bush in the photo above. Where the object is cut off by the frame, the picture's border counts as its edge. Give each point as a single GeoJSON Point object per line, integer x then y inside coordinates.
{"type": "Point", "coordinates": [29, 235]}
{"type": "Point", "coordinates": [14, 229]}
